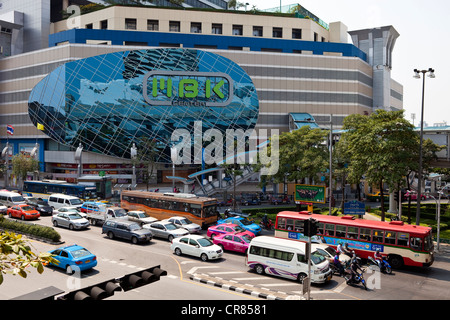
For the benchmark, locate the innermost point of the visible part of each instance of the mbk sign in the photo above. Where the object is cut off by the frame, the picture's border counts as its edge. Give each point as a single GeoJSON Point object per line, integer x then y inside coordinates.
{"type": "Point", "coordinates": [187, 88]}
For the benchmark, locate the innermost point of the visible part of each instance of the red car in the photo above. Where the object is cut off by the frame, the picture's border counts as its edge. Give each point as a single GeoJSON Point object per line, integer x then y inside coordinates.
{"type": "Point", "coordinates": [227, 228]}
{"type": "Point", "coordinates": [23, 211]}
{"type": "Point", "coordinates": [233, 242]}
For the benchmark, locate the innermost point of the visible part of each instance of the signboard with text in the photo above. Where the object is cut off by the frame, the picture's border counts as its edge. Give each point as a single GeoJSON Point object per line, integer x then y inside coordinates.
{"type": "Point", "coordinates": [310, 194]}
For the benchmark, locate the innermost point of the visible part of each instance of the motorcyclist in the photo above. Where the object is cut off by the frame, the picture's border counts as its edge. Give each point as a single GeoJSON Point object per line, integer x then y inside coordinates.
{"type": "Point", "coordinates": [338, 264]}
{"type": "Point", "coordinates": [265, 220]}
{"type": "Point", "coordinates": [339, 248]}
{"type": "Point", "coordinates": [354, 267]}
{"type": "Point", "coordinates": [378, 258]}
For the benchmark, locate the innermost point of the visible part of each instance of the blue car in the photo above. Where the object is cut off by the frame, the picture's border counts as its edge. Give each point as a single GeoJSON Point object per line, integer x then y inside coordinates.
{"type": "Point", "coordinates": [74, 258]}
{"type": "Point", "coordinates": [244, 223]}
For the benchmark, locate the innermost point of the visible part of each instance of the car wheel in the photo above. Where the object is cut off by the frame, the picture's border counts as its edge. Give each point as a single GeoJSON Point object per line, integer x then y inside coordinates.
{"type": "Point", "coordinates": [22, 217]}
{"type": "Point", "coordinates": [10, 215]}
{"type": "Point", "coordinates": [71, 227]}
{"type": "Point", "coordinates": [204, 257]}
{"type": "Point", "coordinates": [259, 269]}
{"type": "Point", "coordinates": [178, 251]}
{"type": "Point", "coordinates": [110, 235]}
{"type": "Point", "coordinates": [221, 246]}
{"type": "Point", "coordinates": [69, 269]}
{"type": "Point", "coordinates": [170, 238]}
{"type": "Point", "coordinates": [301, 277]}
{"type": "Point", "coordinates": [55, 223]}
{"type": "Point", "coordinates": [134, 240]}
{"type": "Point", "coordinates": [213, 235]}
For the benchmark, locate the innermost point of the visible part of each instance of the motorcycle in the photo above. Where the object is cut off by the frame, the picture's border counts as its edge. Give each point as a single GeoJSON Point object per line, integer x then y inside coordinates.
{"type": "Point", "coordinates": [339, 271]}
{"type": "Point", "coordinates": [357, 279]}
{"type": "Point", "coordinates": [268, 225]}
{"type": "Point", "coordinates": [385, 266]}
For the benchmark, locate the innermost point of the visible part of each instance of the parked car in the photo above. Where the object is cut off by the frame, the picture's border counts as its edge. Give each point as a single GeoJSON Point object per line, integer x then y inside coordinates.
{"type": "Point", "coordinates": [40, 205]}
{"type": "Point", "coordinates": [71, 220]}
{"type": "Point", "coordinates": [166, 230]}
{"type": "Point", "coordinates": [23, 211]}
{"type": "Point", "coordinates": [58, 200]}
{"type": "Point", "coordinates": [413, 195]}
{"type": "Point", "coordinates": [328, 252]}
{"type": "Point", "coordinates": [185, 223]}
{"type": "Point", "coordinates": [377, 196]}
{"type": "Point", "coordinates": [243, 222]}
{"type": "Point", "coordinates": [74, 258]}
{"type": "Point", "coordinates": [196, 245]}
{"type": "Point", "coordinates": [140, 217]}
{"type": "Point", "coordinates": [129, 230]}
{"type": "Point", "coordinates": [246, 201]}
{"type": "Point", "coordinates": [70, 209]}
{"type": "Point", "coordinates": [233, 242]}
{"type": "Point", "coordinates": [227, 228]}
{"type": "Point", "coordinates": [3, 209]}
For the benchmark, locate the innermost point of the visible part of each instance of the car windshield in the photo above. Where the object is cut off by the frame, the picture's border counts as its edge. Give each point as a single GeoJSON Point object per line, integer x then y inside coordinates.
{"type": "Point", "coordinates": [120, 213]}
{"type": "Point", "coordinates": [246, 238]}
{"type": "Point", "coordinates": [134, 226]}
{"type": "Point", "coordinates": [185, 221]}
{"type": "Point", "coordinates": [80, 253]}
{"type": "Point", "coordinates": [331, 251]}
{"type": "Point", "coordinates": [75, 216]}
{"type": "Point", "coordinates": [142, 215]}
{"type": "Point", "coordinates": [170, 226]}
{"type": "Point", "coordinates": [322, 252]}
{"type": "Point", "coordinates": [245, 222]}
{"type": "Point", "coordinates": [239, 229]}
{"type": "Point", "coordinates": [317, 257]}
{"type": "Point", "coordinates": [205, 242]}
{"type": "Point", "coordinates": [75, 202]}
{"type": "Point", "coordinates": [17, 199]}
{"type": "Point", "coordinates": [27, 208]}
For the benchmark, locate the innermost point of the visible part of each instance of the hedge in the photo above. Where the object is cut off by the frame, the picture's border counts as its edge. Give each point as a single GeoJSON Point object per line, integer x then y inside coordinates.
{"type": "Point", "coordinates": [30, 229]}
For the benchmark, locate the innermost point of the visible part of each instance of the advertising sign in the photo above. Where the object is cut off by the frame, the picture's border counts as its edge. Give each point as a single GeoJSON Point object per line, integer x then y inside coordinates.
{"type": "Point", "coordinates": [308, 193]}
{"type": "Point", "coordinates": [355, 207]}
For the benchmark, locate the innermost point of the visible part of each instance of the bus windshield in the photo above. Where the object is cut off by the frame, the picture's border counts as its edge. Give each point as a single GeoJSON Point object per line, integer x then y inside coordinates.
{"type": "Point", "coordinates": [210, 211]}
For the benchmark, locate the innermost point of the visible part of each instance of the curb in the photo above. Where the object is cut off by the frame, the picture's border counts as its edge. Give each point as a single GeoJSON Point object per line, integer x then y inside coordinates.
{"type": "Point", "coordinates": [253, 293]}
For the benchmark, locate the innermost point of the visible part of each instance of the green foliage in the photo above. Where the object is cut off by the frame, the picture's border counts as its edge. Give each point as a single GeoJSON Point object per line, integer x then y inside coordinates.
{"type": "Point", "coordinates": [22, 164]}
{"type": "Point", "coordinates": [31, 229]}
{"type": "Point", "coordinates": [16, 256]}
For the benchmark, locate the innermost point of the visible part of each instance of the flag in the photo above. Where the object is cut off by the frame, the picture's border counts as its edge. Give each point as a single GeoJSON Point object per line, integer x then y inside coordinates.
{"type": "Point", "coordinates": [40, 126]}
{"type": "Point", "coordinates": [10, 129]}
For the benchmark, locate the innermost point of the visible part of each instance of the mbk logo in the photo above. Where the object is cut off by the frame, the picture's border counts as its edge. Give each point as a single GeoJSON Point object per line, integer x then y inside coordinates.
{"type": "Point", "coordinates": [176, 88]}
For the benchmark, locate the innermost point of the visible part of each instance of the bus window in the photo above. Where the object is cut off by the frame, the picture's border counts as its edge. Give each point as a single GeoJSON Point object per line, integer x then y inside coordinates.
{"type": "Point", "coordinates": [210, 211]}
{"type": "Point", "coordinates": [301, 258]}
{"type": "Point", "coordinates": [364, 234]}
{"type": "Point", "coordinates": [402, 239]}
{"type": "Point", "coordinates": [416, 243]}
{"type": "Point", "coordinates": [329, 229]}
{"type": "Point", "coordinates": [341, 231]}
{"type": "Point", "coordinates": [320, 227]}
{"type": "Point", "coordinates": [378, 235]}
{"type": "Point", "coordinates": [282, 223]}
{"type": "Point", "coordinates": [390, 237]}
{"type": "Point", "coordinates": [298, 225]}
{"type": "Point", "coordinates": [352, 232]}
{"type": "Point", "coordinates": [290, 224]}
{"type": "Point", "coordinates": [187, 207]}
{"type": "Point", "coordinates": [196, 209]}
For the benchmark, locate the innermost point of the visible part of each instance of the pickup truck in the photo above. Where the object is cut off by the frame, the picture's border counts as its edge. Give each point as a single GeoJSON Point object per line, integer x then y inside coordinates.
{"type": "Point", "coordinates": [99, 213]}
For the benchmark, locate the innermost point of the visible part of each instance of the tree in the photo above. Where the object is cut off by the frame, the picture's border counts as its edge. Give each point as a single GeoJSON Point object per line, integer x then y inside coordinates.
{"type": "Point", "coordinates": [383, 145]}
{"type": "Point", "coordinates": [16, 256]}
{"type": "Point", "coordinates": [146, 158]}
{"type": "Point", "coordinates": [22, 164]}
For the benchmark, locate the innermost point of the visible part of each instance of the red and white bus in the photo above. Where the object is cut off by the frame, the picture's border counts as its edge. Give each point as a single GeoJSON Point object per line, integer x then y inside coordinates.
{"type": "Point", "coordinates": [400, 243]}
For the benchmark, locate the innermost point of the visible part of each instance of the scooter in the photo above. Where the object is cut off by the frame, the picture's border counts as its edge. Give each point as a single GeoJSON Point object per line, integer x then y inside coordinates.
{"type": "Point", "coordinates": [357, 279]}
{"type": "Point", "coordinates": [268, 225]}
{"type": "Point", "coordinates": [385, 266]}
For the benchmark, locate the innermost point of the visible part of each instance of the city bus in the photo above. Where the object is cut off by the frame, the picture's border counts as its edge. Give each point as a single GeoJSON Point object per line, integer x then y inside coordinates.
{"type": "Point", "coordinates": [200, 210]}
{"type": "Point", "coordinates": [42, 189]}
{"type": "Point", "coordinates": [400, 243]}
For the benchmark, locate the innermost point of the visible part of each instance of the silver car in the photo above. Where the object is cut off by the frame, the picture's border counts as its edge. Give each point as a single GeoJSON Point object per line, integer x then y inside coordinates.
{"type": "Point", "coordinates": [185, 223]}
{"type": "Point", "coordinates": [140, 217]}
{"type": "Point", "coordinates": [166, 230]}
{"type": "Point", "coordinates": [71, 220]}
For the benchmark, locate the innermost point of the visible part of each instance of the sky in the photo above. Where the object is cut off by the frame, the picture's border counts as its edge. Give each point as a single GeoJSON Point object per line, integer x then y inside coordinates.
{"type": "Point", "coordinates": [424, 42]}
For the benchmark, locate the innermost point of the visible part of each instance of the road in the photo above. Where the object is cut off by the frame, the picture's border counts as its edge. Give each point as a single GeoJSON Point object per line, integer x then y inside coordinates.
{"type": "Point", "coordinates": [191, 279]}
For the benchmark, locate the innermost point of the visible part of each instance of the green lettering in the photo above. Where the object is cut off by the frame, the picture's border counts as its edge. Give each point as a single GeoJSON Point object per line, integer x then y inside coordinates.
{"type": "Point", "coordinates": [217, 91]}
{"type": "Point", "coordinates": [190, 86]}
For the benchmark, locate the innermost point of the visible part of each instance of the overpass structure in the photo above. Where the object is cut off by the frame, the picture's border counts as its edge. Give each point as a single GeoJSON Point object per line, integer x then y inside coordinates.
{"type": "Point", "coordinates": [441, 136]}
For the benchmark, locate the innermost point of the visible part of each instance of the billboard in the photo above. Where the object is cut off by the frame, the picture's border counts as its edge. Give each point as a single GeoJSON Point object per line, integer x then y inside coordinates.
{"type": "Point", "coordinates": [308, 193]}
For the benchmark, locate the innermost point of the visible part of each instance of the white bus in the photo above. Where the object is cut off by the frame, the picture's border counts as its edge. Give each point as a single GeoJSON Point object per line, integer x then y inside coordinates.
{"type": "Point", "coordinates": [9, 198]}
{"type": "Point", "coordinates": [287, 259]}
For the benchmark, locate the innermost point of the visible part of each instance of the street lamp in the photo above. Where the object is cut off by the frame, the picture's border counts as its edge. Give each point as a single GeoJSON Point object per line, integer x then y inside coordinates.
{"type": "Point", "coordinates": [417, 73]}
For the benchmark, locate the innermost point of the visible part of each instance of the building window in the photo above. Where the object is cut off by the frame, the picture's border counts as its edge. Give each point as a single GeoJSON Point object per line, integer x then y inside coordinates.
{"type": "Point", "coordinates": [237, 29]}
{"type": "Point", "coordinates": [216, 28]}
{"type": "Point", "coordinates": [89, 26]}
{"type": "Point", "coordinates": [153, 25]}
{"type": "Point", "coordinates": [174, 26]}
{"type": "Point", "coordinates": [104, 24]}
{"type": "Point", "coordinates": [130, 24]}
{"type": "Point", "coordinates": [257, 31]}
{"type": "Point", "coordinates": [296, 33]}
{"type": "Point", "coordinates": [277, 32]}
{"type": "Point", "coordinates": [196, 27]}
{"type": "Point", "coordinates": [315, 36]}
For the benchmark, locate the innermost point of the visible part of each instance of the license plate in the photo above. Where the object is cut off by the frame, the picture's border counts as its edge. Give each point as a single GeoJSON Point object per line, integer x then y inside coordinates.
{"type": "Point", "coordinates": [87, 261]}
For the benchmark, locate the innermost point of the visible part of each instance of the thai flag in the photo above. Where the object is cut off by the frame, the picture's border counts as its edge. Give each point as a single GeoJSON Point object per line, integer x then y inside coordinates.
{"type": "Point", "coordinates": [10, 129]}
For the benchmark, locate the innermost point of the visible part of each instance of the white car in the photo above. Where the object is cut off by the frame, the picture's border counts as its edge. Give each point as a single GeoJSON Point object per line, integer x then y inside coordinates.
{"type": "Point", "coordinates": [69, 210]}
{"type": "Point", "coordinates": [185, 223]}
{"type": "Point", "coordinates": [140, 217]}
{"type": "Point", "coordinates": [196, 245]}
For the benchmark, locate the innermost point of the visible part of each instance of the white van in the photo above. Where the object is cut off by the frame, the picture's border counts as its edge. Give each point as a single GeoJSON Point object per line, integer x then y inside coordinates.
{"type": "Point", "coordinates": [9, 198]}
{"type": "Point", "coordinates": [59, 200]}
{"type": "Point", "coordinates": [287, 259]}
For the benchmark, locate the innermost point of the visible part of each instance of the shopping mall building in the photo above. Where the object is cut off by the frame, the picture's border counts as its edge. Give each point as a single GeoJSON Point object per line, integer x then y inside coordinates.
{"type": "Point", "coordinates": [102, 80]}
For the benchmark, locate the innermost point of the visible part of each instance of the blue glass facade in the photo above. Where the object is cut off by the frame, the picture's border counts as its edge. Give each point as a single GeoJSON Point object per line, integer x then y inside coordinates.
{"type": "Point", "coordinates": [108, 102]}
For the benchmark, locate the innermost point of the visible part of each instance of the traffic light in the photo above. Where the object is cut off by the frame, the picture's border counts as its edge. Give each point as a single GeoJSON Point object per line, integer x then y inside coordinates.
{"type": "Point", "coordinates": [310, 227]}
{"type": "Point", "coordinates": [141, 278]}
{"type": "Point", "coordinates": [125, 283]}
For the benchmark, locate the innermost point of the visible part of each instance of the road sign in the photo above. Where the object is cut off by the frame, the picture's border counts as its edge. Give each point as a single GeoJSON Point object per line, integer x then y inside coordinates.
{"type": "Point", "coordinates": [355, 207]}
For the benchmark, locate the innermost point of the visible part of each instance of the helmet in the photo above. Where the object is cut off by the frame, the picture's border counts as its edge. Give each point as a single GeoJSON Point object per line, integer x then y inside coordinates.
{"type": "Point", "coordinates": [378, 250]}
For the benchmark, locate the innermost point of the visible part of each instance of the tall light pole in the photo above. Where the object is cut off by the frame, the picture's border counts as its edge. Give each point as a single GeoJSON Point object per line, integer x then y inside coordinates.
{"type": "Point", "coordinates": [419, 178]}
